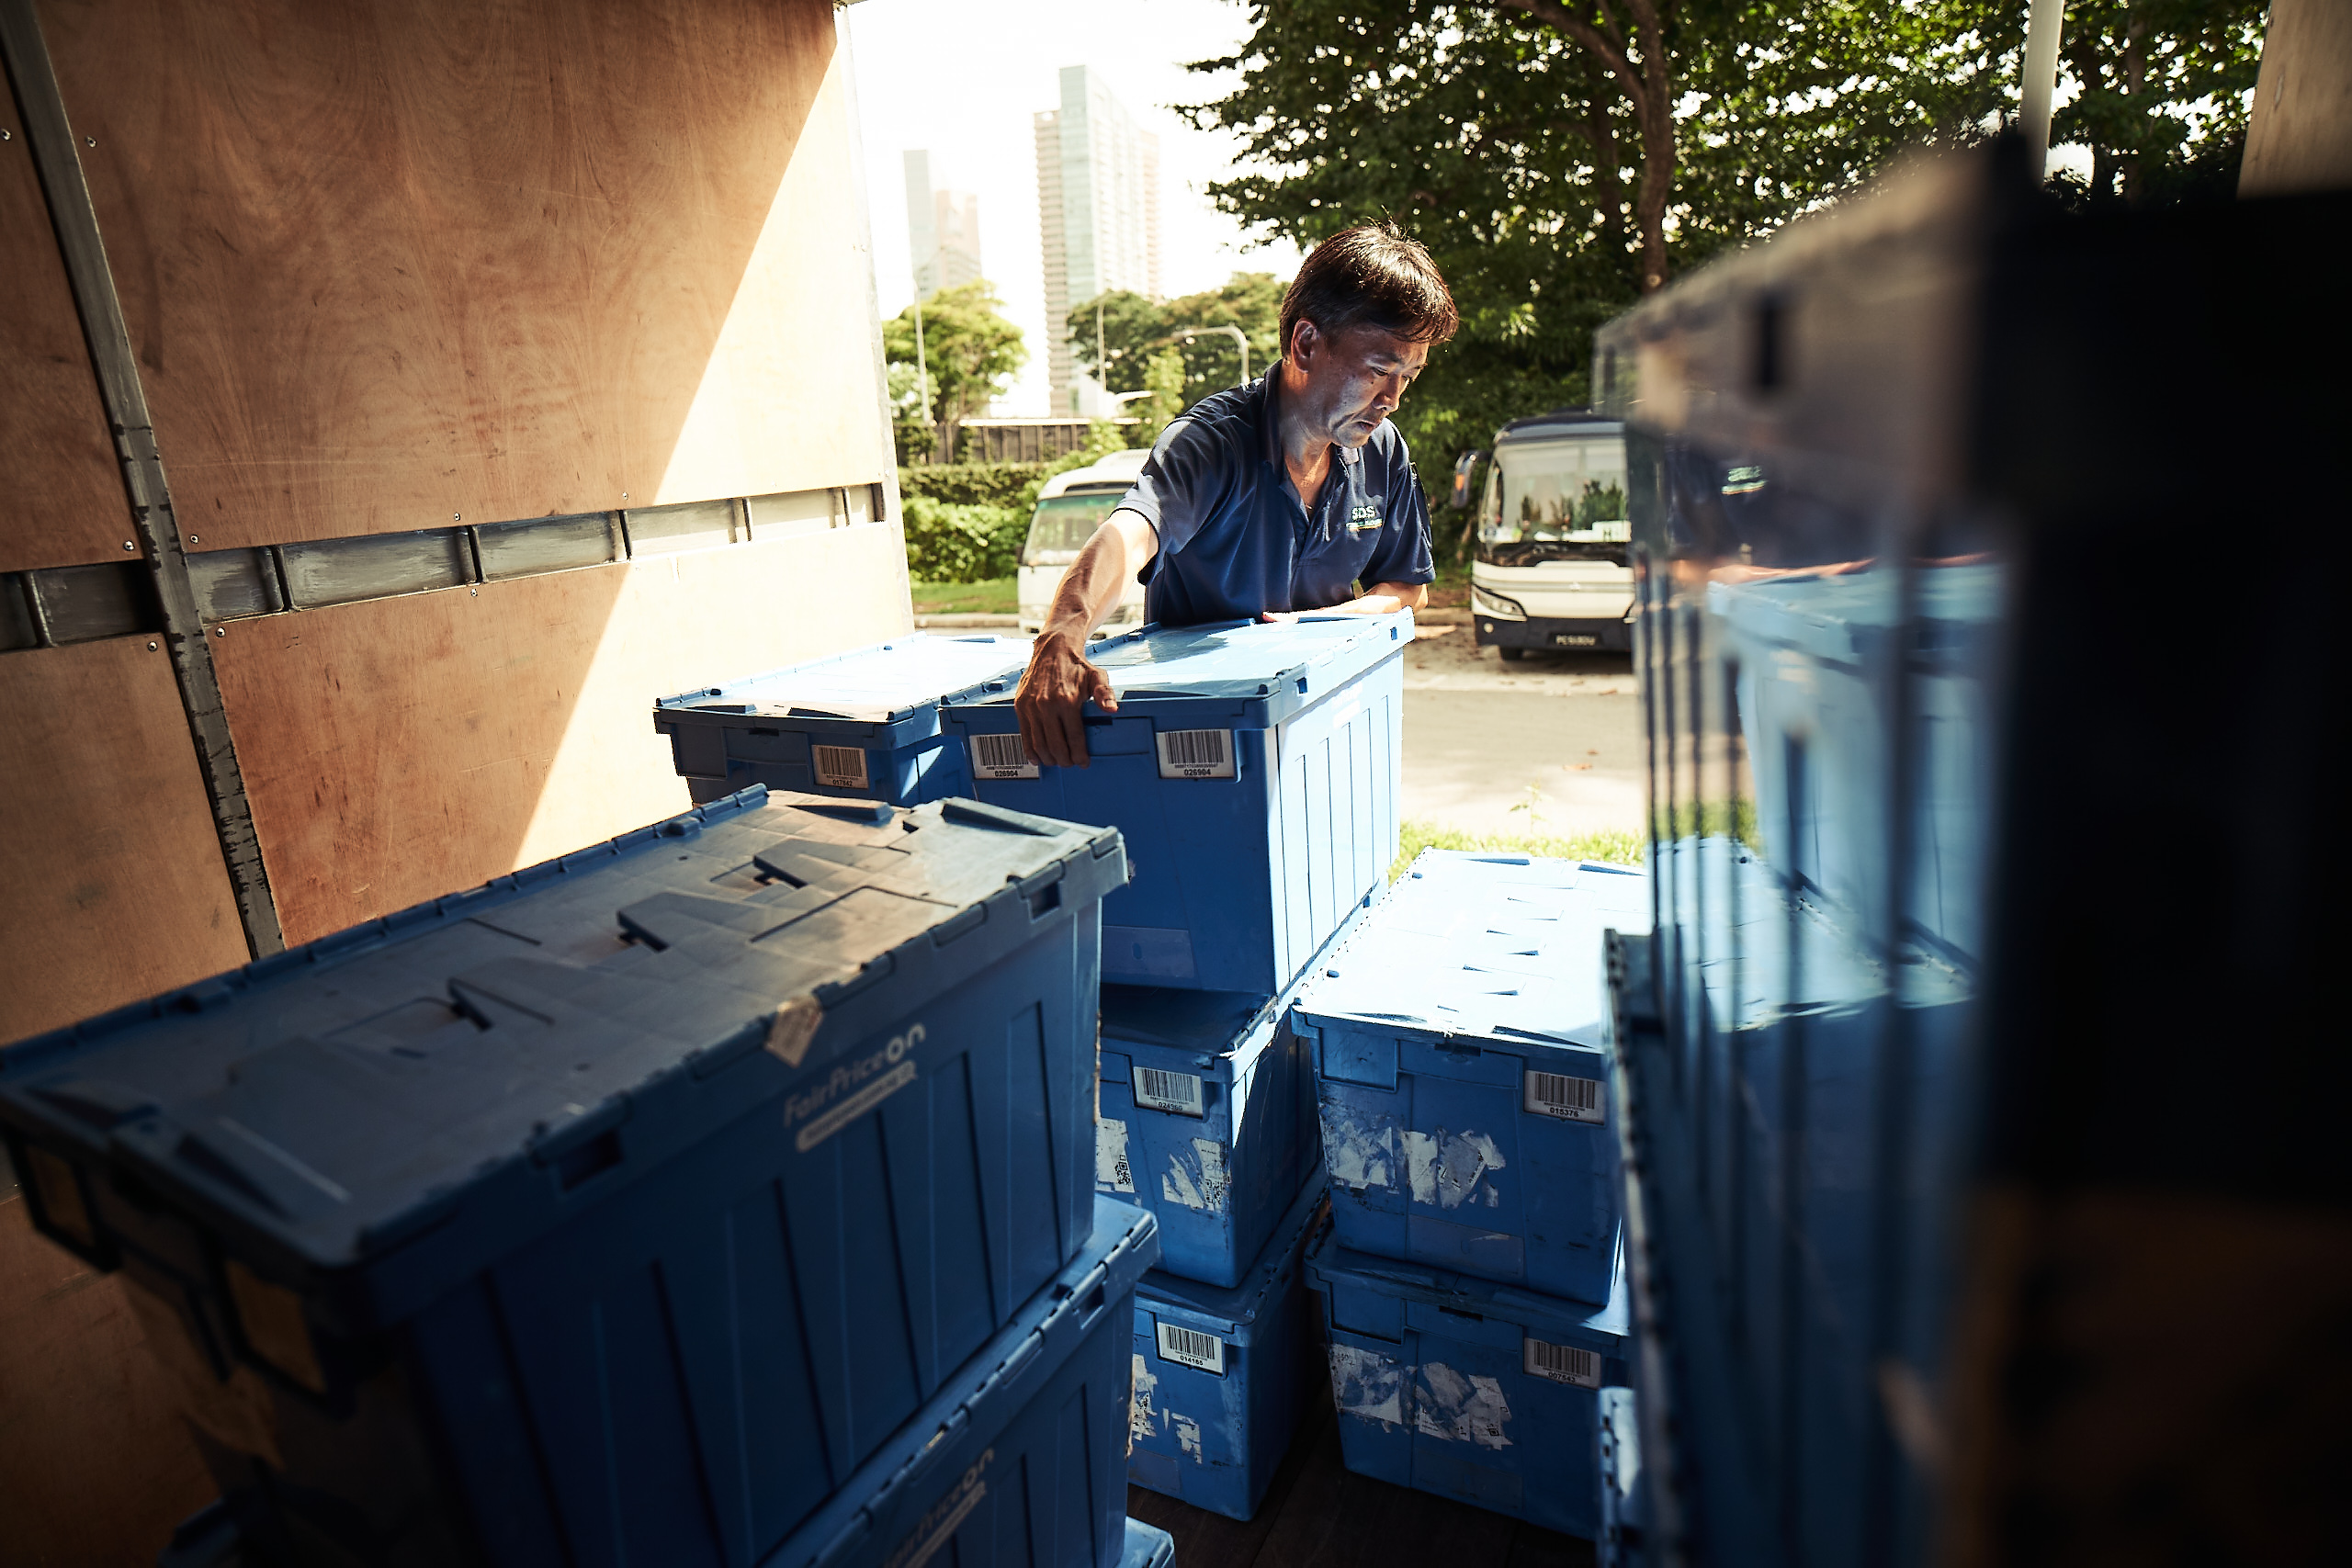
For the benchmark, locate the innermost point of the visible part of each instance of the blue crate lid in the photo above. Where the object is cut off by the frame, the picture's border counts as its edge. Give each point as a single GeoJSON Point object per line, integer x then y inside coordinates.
{"type": "Point", "coordinates": [1839, 616]}
{"type": "Point", "coordinates": [1206, 1023]}
{"type": "Point", "coordinates": [1147, 1546]}
{"type": "Point", "coordinates": [329, 1104]}
{"type": "Point", "coordinates": [1487, 947]}
{"type": "Point", "coordinates": [890, 690]}
{"type": "Point", "coordinates": [1273, 669]}
{"type": "Point", "coordinates": [1231, 1308]}
{"type": "Point", "coordinates": [1327, 1260]}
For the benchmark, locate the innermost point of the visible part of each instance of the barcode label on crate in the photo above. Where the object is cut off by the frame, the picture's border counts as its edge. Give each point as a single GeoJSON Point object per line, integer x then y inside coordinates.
{"type": "Point", "coordinates": [1001, 757]}
{"type": "Point", "coordinates": [1179, 1092]}
{"type": "Point", "coordinates": [1562, 1363]}
{"type": "Point", "coordinates": [1196, 754]}
{"type": "Point", "coordinates": [1570, 1100]}
{"type": "Point", "coordinates": [842, 767]}
{"type": "Point", "coordinates": [1190, 1347]}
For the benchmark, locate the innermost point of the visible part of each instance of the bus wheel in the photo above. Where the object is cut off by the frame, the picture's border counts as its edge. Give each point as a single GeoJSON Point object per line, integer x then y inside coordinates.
{"type": "Point", "coordinates": [1512, 655]}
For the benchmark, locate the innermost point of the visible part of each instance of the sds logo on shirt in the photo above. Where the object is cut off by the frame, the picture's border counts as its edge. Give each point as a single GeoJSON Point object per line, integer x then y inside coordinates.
{"type": "Point", "coordinates": [1365, 515]}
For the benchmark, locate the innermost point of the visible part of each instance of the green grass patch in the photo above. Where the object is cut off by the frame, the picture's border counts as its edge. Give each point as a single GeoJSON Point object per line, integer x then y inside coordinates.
{"type": "Point", "coordinates": [1610, 847]}
{"type": "Point", "coordinates": [998, 596]}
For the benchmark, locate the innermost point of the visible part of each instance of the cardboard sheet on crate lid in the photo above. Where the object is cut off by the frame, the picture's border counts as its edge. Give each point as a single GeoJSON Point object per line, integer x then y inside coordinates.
{"type": "Point", "coordinates": [884, 683]}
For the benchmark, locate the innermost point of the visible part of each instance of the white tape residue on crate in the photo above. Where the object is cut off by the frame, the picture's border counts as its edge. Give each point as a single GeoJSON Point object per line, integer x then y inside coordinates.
{"type": "Point", "coordinates": [1112, 1171]}
{"type": "Point", "coordinates": [1188, 1436]}
{"type": "Point", "coordinates": [1460, 1409]}
{"type": "Point", "coordinates": [1199, 1183]}
{"type": "Point", "coordinates": [1367, 1384]}
{"type": "Point", "coordinates": [1358, 1154]}
{"type": "Point", "coordinates": [1448, 1170]}
{"type": "Point", "coordinates": [1142, 1380]}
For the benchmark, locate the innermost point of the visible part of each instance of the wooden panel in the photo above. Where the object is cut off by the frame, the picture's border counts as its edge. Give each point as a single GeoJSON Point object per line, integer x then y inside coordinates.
{"type": "Point", "coordinates": [387, 263]}
{"type": "Point", "coordinates": [398, 750]}
{"type": "Point", "coordinates": [62, 502]}
{"type": "Point", "coordinates": [94, 1464]}
{"type": "Point", "coordinates": [111, 882]}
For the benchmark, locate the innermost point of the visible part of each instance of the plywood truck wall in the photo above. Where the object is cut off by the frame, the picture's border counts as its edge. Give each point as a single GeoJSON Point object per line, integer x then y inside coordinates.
{"type": "Point", "coordinates": [509, 364]}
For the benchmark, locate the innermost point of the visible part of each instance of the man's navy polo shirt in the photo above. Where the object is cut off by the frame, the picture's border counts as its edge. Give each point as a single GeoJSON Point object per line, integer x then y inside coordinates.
{"type": "Point", "coordinates": [1234, 540]}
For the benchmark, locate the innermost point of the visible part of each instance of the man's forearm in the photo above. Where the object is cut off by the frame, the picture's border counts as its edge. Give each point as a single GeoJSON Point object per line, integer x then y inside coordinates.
{"type": "Point", "coordinates": [1092, 585]}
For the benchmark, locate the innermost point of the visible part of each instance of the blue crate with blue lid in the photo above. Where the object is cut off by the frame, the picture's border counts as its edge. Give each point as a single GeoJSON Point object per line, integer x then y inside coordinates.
{"type": "Point", "coordinates": [862, 724]}
{"type": "Point", "coordinates": [1459, 1039]}
{"type": "Point", "coordinates": [1461, 1387]}
{"type": "Point", "coordinates": [1218, 1374]}
{"type": "Point", "coordinates": [1017, 1493]}
{"type": "Point", "coordinates": [1254, 768]}
{"type": "Point", "coordinates": [1148, 1546]}
{"type": "Point", "coordinates": [1020, 1460]}
{"type": "Point", "coordinates": [1206, 1117]}
{"type": "Point", "coordinates": [635, 1196]}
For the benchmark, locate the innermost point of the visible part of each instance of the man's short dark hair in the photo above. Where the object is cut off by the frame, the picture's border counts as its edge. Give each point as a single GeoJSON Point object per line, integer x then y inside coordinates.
{"type": "Point", "coordinates": [1371, 275]}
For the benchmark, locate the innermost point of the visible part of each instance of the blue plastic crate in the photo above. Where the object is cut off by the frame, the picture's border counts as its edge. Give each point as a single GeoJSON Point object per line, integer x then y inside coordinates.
{"type": "Point", "coordinates": [1217, 1374]}
{"type": "Point", "coordinates": [1468, 1389]}
{"type": "Point", "coordinates": [1206, 1117]}
{"type": "Point", "coordinates": [1253, 768]}
{"type": "Point", "coordinates": [1020, 1460]}
{"type": "Point", "coordinates": [1148, 1546]}
{"type": "Point", "coordinates": [863, 724]}
{"type": "Point", "coordinates": [505, 1222]}
{"type": "Point", "coordinates": [1623, 1541]}
{"type": "Point", "coordinates": [1458, 1038]}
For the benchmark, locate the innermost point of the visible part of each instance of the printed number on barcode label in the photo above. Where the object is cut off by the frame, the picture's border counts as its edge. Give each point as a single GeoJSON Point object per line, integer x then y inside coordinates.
{"type": "Point", "coordinates": [1562, 1363]}
{"type": "Point", "coordinates": [1179, 1092]}
{"type": "Point", "coordinates": [1001, 757]}
{"type": "Point", "coordinates": [1571, 1100]}
{"type": "Point", "coordinates": [842, 767]}
{"type": "Point", "coordinates": [1195, 753]}
{"type": "Point", "coordinates": [1190, 1347]}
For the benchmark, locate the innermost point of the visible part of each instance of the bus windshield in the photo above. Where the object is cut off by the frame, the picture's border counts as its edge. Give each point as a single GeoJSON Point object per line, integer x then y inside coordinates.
{"type": "Point", "coordinates": [1555, 501]}
{"type": "Point", "coordinates": [1064, 523]}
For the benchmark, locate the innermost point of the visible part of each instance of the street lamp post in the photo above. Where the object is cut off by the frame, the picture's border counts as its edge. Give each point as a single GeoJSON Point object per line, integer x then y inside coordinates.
{"type": "Point", "coordinates": [1236, 335]}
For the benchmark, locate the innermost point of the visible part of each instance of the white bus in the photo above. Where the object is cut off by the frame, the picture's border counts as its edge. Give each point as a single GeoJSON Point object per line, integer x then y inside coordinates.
{"type": "Point", "coordinates": [1069, 508]}
{"type": "Point", "coordinates": [1549, 568]}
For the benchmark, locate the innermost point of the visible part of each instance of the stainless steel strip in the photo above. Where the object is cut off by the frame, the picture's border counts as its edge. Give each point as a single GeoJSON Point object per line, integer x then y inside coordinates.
{"type": "Point", "coordinates": [49, 136]}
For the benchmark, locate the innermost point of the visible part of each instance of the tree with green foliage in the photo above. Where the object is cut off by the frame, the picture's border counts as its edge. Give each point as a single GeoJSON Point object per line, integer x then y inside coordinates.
{"type": "Point", "coordinates": [1134, 331]}
{"type": "Point", "coordinates": [1164, 381]}
{"type": "Point", "coordinates": [1561, 157]}
{"type": "Point", "coordinates": [2165, 94]}
{"type": "Point", "coordinates": [970, 353]}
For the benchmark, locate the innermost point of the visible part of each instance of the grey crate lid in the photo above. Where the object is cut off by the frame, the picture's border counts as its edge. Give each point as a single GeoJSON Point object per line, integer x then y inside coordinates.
{"type": "Point", "coordinates": [893, 684]}
{"type": "Point", "coordinates": [1487, 947]}
{"type": "Point", "coordinates": [439, 1066]}
{"type": "Point", "coordinates": [1275, 667]}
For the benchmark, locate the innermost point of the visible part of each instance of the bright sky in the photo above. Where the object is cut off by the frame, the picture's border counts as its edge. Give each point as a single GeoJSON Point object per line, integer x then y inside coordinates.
{"type": "Point", "coordinates": [963, 80]}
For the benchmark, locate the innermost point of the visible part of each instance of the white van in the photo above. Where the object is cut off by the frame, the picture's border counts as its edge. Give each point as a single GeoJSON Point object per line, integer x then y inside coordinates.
{"type": "Point", "coordinates": [1550, 567]}
{"type": "Point", "coordinates": [1069, 508]}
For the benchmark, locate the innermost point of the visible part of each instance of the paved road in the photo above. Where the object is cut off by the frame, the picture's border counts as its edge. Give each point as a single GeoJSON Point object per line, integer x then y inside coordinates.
{"type": "Point", "coordinates": [1558, 735]}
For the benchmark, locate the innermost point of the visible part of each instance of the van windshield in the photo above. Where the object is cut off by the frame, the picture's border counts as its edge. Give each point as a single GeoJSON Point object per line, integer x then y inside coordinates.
{"type": "Point", "coordinates": [1064, 523]}
{"type": "Point", "coordinates": [1555, 501]}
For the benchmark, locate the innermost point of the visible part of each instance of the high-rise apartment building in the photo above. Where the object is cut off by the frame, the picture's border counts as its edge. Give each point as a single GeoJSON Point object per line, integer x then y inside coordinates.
{"type": "Point", "coordinates": [1098, 206]}
{"type": "Point", "coordinates": [943, 228]}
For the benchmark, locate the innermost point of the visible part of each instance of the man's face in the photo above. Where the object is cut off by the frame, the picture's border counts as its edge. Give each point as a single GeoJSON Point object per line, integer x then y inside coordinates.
{"type": "Point", "coordinates": [1354, 378]}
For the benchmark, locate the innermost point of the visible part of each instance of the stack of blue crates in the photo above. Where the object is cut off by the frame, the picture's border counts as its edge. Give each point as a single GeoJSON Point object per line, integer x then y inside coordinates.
{"type": "Point", "coordinates": [1473, 1286]}
{"type": "Point", "coordinates": [860, 725]}
{"type": "Point", "coordinates": [715, 1195]}
{"type": "Point", "coordinates": [1252, 770]}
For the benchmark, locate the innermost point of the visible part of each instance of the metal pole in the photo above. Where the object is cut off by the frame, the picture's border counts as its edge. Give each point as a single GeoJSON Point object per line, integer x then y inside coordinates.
{"type": "Point", "coordinates": [2044, 25]}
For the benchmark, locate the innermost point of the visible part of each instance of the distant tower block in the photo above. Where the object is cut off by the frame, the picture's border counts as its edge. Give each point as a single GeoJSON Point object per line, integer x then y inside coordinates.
{"type": "Point", "coordinates": [1098, 212]}
{"type": "Point", "coordinates": [943, 228]}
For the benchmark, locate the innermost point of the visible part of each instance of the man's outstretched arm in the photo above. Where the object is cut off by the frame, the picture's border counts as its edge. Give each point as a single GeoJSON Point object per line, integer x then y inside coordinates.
{"type": "Point", "coordinates": [1060, 680]}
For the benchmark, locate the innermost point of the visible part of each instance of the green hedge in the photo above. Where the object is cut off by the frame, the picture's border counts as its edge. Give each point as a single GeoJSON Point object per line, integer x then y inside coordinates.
{"type": "Point", "coordinates": [947, 542]}
{"type": "Point", "coordinates": [974, 484]}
